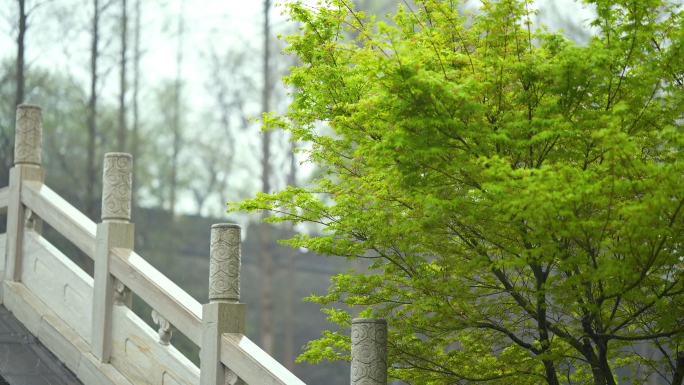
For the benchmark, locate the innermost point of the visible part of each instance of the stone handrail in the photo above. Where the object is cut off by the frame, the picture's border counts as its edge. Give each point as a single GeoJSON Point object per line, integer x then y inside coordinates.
{"type": "Point", "coordinates": [61, 215]}
{"type": "Point", "coordinates": [252, 364]}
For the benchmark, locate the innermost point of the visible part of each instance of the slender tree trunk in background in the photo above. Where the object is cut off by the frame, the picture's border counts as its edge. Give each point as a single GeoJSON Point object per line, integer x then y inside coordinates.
{"type": "Point", "coordinates": [177, 134]}
{"type": "Point", "coordinates": [136, 121]}
{"type": "Point", "coordinates": [89, 203]}
{"type": "Point", "coordinates": [267, 266]}
{"type": "Point", "coordinates": [91, 172]}
{"type": "Point", "coordinates": [122, 79]}
{"type": "Point", "coordinates": [7, 138]}
{"type": "Point", "coordinates": [21, 37]}
{"type": "Point", "coordinates": [291, 280]}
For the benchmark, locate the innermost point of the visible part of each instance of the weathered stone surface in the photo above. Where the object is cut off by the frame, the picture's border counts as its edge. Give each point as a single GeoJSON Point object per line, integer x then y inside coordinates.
{"type": "Point", "coordinates": [224, 263]}
{"type": "Point", "coordinates": [369, 351]}
{"type": "Point", "coordinates": [116, 186]}
{"type": "Point", "coordinates": [137, 355]}
{"type": "Point", "coordinates": [28, 141]}
{"type": "Point", "coordinates": [24, 360]}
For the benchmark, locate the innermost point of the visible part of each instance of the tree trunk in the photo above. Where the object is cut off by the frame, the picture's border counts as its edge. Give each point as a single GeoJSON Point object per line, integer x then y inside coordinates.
{"type": "Point", "coordinates": [595, 362]}
{"type": "Point", "coordinates": [542, 323]}
{"type": "Point", "coordinates": [177, 134]}
{"type": "Point", "coordinates": [7, 139]}
{"type": "Point", "coordinates": [267, 268]}
{"type": "Point", "coordinates": [597, 373]}
{"type": "Point", "coordinates": [122, 79]}
{"type": "Point", "coordinates": [136, 119]}
{"type": "Point", "coordinates": [21, 37]}
{"type": "Point", "coordinates": [678, 376]}
{"type": "Point", "coordinates": [89, 199]}
{"type": "Point", "coordinates": [602, 346]}
{"type": "Point", "coordinates": [290, 314]}
{"type": "Point", "coordinates": [91, 172]}
{"type": "Point", "coordinates": [551, 375]}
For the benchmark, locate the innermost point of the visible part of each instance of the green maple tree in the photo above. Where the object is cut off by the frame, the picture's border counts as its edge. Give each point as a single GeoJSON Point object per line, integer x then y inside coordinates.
{"type": "Point", "coordinates": [520, 196]}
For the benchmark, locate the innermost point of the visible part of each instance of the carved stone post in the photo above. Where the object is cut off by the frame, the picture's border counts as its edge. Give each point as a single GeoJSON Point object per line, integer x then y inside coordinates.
{"type": "Point", "coordinates": [369, 351]}
{"type": "Point", "coordinates": [224, 313]}
{"type": "Point", "coordinates": [114, 231]}
{"type": "Point", "coordinates": [27, 148]}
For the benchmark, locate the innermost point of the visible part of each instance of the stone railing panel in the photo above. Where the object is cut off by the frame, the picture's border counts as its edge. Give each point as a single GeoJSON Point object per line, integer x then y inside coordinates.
{"type": "Point", "coordinates": [164, 296]}
{"type": "Point", "coordinates": [58, 283]}
{"type": "Point", "coordinates": [137, 353]}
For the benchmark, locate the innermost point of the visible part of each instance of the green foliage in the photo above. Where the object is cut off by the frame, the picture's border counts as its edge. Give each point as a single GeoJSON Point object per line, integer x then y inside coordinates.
{"type": "Point", "coordinates": [520, 197]}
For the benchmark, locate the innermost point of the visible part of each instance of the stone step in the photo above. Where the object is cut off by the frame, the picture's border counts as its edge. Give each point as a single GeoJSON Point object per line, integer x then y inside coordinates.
{"type": "Point", "coordinates": [24, 360]}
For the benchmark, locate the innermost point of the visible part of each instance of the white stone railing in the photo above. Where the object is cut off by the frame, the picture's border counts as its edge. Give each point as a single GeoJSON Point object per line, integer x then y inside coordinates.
{"type": "Point", "coordinates": [87, 322]}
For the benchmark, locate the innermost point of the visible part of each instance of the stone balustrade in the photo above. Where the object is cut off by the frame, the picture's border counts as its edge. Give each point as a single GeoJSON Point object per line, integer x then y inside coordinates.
{"type": "Point", "coordinates": [111, 344]}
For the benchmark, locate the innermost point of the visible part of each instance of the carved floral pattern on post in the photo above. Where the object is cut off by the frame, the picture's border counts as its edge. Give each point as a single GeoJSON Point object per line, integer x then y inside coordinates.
{"type": "Point", "coordinates": [232, 378]}
{"type": "Point", "coordinates": [116, 186]}
{"type": "Point", "coordinates": [165, 328]}
{"type": "Point", "coordinates": [369, 351]}
{"type": "Point", "coordinates": [120, 293]}
{"type": "Point", "coordinates": [224, 263]}
{"type": "Point", "coordinates": [29, 132]}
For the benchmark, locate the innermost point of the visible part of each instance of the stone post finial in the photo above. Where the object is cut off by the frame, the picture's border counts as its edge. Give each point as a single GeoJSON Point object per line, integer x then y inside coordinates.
{"type": "Point", "coordinates": [29, 135]}
{"type": "Point", "coordinates": [369, 351]}
{"type": "Point", "coordinates": [224, 263]}
{"type": "Point", "coordinates": [116, 186]}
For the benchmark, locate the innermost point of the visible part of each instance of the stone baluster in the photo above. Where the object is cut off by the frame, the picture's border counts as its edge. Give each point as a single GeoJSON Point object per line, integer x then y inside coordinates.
{"type": "Point", "coordinates": [224, 313]}
{"type": "Point", "coordinates": [114, 231]}
{"type": "Point", "coordinates": [27, 149]}
{"type": "Point", "coordinates": [369, 351]}
{"type": "Point", "coordinates": [122, 294]}
{"type": "Point", "coordinates": [33, 221]}
{"type": "Point", "coordinates": [166, 329]}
